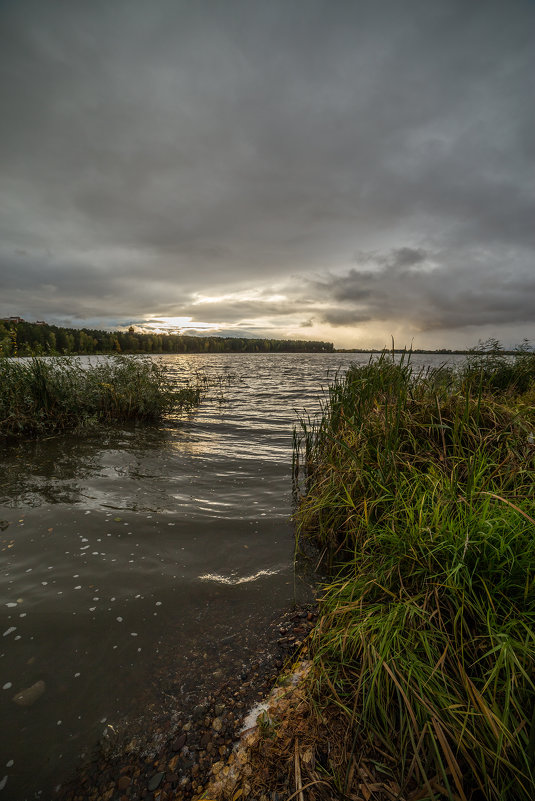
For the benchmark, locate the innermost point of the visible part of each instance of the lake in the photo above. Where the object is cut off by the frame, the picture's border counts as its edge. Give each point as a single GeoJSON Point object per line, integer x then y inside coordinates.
{"type": "Point", "coordinates": [140, 564]}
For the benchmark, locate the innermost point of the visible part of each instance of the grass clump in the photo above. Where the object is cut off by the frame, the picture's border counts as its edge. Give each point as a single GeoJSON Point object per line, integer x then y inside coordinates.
{"type": "Point", "coordinates": [419, 494]}
{"type": "Point", "coordinates": [45, 396]}
{"type": "Point", "coordinates": [489, 366]}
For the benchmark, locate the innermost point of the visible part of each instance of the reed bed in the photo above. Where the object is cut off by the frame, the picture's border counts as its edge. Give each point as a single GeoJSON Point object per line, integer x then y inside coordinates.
{"type": "Point", "coordinates": [419, 494]}
{"type": "Point", "coordinates": [46, 396]}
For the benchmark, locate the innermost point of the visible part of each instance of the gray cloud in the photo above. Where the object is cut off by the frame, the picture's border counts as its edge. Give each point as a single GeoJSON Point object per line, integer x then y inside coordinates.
{"type": "Point", "coordinates": [152, 151]}
{"type": "Point", "coordinates": [408, 257]}
{"type": "Point", "coordinates": [430, 293]}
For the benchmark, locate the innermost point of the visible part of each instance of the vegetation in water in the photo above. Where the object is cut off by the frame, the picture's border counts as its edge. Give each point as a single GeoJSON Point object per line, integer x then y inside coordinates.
{"type": "Point", "coordinates": [46, 396]}
{"type": "Point", "coordinates": [419, 493]}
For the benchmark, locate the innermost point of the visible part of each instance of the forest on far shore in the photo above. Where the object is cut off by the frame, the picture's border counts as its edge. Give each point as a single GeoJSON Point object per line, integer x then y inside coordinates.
{"type": "Point", "coordinates": [41, 339]}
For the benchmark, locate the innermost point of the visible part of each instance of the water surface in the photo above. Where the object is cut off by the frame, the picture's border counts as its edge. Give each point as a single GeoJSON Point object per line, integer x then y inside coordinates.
{"type": "Point", "coordinates": [136, 563]}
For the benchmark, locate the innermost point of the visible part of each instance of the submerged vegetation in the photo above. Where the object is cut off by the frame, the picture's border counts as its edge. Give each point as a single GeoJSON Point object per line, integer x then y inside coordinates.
{"type": "Point", "coordinates": [47, 396]}
{"type": "Point", "coordinates": [419, 494]}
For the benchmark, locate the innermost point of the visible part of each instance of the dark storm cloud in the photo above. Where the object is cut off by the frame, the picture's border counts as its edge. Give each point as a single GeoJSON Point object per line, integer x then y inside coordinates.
{"type": "Point", "coordinates": [407, 257]}
{"type": "Point", "coordinates": [153, 151]}
{"type": "Point", "coordinates": [429, 294]}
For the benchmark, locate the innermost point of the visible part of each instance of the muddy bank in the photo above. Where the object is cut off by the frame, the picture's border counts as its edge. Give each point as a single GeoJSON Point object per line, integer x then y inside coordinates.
{"type": "Point", "coordinates": [171, 757]}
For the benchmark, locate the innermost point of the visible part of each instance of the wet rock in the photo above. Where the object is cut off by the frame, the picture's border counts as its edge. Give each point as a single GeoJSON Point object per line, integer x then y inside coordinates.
{"type": "Point", "coordinates": [172, 764]}
{"type": "Point", "coordinates": [123, 783]}
{"type": "Point", "coordinates": [30, 695]}
{"type": "Point", "coordinates": [155, 781]}
{"type": "Point", "coordinates": [217, 724]}
{"type": "Point", "coordinates": [200, 711]}
{"type": "Point", "coordinates": [179, 742]}
{"type": "Point", "coordinates": [219, 709]}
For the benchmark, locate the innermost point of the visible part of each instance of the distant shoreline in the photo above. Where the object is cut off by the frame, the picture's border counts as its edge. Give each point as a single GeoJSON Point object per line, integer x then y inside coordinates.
{"type": "Point", "coordinates": [21, 338]}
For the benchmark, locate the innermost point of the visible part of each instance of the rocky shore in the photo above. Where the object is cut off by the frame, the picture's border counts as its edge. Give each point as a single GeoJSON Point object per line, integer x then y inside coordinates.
{"type": "Point", "coordinates": [175, 762]}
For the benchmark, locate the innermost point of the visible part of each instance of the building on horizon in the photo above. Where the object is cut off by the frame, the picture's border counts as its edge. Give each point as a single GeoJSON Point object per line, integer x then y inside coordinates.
{"type": "Point", "coordinates": [14, 320]}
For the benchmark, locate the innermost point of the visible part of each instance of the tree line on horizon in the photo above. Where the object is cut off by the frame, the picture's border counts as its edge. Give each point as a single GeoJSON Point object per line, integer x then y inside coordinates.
{"type": "Point", "coordinates": [42, 339]}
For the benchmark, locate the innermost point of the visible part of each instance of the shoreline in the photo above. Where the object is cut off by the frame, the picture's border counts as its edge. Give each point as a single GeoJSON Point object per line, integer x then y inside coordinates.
{"type": "Point", "coordinates": [176, 764]}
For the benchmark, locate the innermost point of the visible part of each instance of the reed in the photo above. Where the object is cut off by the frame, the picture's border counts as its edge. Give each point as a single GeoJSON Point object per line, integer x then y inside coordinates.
{"type": "Point", "coordinates": [43, 396]}
{"type": "Point", "coordinates": [418, 492]}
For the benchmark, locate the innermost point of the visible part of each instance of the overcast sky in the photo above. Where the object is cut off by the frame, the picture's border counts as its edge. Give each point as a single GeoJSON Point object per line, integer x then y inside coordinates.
{"type": "Point", "coordinates": [340, 170]}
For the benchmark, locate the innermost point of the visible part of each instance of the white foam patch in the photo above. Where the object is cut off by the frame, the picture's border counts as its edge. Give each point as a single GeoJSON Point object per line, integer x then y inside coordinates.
{"type": "Point", "coordinates": [252, 716]}
{"type": "Point", "coordinates": [232, 580]}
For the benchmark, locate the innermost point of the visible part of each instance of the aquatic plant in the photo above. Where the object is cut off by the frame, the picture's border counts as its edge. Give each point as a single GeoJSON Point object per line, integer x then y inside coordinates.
{"type": "Point", "coordinates": [43, 396]}
{"type": "Point", "coordinates": [419, 495]}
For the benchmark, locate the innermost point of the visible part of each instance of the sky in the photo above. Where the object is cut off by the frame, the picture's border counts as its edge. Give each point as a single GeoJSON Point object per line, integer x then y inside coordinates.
{"type": "Point", "coordinates": [343, 170]}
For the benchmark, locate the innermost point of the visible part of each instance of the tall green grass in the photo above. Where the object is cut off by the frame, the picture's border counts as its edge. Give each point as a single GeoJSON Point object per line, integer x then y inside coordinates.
{"type": "Point", "coordinates": [46, 396]}
{"type": "Point", "coordinates": [419, 493]}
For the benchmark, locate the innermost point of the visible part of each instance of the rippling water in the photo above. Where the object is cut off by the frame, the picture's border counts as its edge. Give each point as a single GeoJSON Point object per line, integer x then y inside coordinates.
{"type": "Point", "coordinates": [130, 558]}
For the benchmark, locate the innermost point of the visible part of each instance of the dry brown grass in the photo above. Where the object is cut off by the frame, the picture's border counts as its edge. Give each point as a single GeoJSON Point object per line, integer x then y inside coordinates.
{"type": "Point", "coordinates": [298, 752]}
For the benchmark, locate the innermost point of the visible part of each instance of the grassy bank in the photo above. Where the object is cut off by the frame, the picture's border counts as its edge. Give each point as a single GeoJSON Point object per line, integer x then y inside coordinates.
{"type": "Point", "coordinates": [419, 494]}
{"type": "Point", "coordinates": [41, 397]}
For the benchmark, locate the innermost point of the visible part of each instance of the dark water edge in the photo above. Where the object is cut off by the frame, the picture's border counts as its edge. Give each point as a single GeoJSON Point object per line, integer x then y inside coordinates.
{"type": "Point", "coordinates": [142, 566]}
{"type": "Point", "coordinates": [170, 755]}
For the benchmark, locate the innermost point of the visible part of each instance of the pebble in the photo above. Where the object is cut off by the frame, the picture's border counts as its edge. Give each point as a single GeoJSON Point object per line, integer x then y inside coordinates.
{"type": "Point", "coordinates": [199, 711]}
{"type": "Point", "coordinates": [172, 764]}
{"type": "Point", "coordinates": [179, 742]}
{"type": "Point", "coordinates": [155, 781]}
